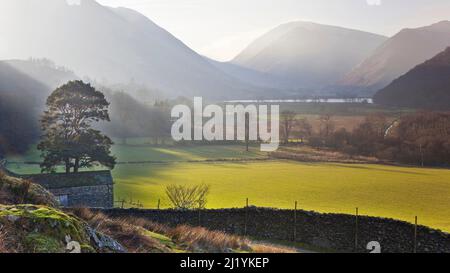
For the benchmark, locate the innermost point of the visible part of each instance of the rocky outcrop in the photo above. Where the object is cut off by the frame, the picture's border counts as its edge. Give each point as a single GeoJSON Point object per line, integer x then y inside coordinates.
{"type": "Point", "coordinates": [104, 242]}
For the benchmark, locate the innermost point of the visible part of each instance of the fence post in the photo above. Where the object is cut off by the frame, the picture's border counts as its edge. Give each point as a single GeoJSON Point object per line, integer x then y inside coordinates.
{"type": "Point", "coordinates": [246, 217]}
{"type": "Point", "coordinates": [123, 203]}
{"type": "Point", "coordinates": [295, 222]}
{"type": "Point", "coordinates": [415, 235]}
{"type": "Point", "coordinates": [159, 203]}
{"type": "Point", "coordinates": [356, 230]}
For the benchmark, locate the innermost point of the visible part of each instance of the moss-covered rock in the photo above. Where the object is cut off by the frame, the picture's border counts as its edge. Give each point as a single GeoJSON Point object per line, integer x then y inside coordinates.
{"type": "Point", "coordinates": [42, 229]}
{"type": "Point", "coordinates": [40, 243]}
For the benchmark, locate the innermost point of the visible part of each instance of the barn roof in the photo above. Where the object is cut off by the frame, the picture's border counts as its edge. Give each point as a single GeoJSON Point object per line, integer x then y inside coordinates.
{"type": "Point", "coordinates": [73, 180]}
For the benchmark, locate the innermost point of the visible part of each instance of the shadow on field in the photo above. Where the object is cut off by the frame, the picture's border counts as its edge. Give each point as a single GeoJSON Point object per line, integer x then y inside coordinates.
{"type": "Point", "coordinates": [376, 168]}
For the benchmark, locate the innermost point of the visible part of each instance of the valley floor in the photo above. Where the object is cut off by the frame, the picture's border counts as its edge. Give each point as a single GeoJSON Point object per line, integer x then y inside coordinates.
{"type": "Point", "coordinates": [377, 190]}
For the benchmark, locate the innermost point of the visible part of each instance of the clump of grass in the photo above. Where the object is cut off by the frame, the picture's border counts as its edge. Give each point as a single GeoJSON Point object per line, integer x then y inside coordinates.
{"type": "Point", "coordinates": [265, 248]}
{"type": "Point", "coordinates": [195, 239]}
{"type": "Point", "coordinates": [83, 213]}
{"type": "Point", "coordinates": [3, 244]}
{"type": "Point", "coordinates": [20, 191]}
{"type": "Point", "coordinates": [148, 225]}
{"type": "Point", "coordinates": [199, 239]}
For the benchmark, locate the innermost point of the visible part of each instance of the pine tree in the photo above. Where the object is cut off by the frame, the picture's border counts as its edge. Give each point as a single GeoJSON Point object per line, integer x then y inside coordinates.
{"type": "Point", "coordinates": [69, 138]}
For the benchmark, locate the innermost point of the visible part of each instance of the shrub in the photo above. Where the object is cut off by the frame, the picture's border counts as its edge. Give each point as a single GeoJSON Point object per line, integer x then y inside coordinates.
{"type": "Point", "coordinates": [188, 197]}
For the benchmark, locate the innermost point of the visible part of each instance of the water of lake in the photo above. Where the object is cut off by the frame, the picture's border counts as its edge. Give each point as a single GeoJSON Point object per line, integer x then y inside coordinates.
{"type": "Point", "coordinates": [323, 100]}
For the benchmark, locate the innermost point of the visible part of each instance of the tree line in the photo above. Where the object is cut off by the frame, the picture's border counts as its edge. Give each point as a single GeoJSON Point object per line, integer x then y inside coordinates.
{"type": "Point", "coordinates": [421, 138]}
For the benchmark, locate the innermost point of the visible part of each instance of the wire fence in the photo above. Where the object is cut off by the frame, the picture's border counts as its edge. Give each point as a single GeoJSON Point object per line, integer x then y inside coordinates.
{"type": "Point", "coordinates": [129, 203]}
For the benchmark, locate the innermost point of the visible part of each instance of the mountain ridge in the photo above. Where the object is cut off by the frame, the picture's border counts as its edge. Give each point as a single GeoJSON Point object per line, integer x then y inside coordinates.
{"type": "Point", "coordinates": [112, 45]}
{"type": "Point", "coordinates": [425, 86]}
{"type": "Point", "coordinates": [307, 54]}
{"type": "Point", "coordinates": [399, 54]}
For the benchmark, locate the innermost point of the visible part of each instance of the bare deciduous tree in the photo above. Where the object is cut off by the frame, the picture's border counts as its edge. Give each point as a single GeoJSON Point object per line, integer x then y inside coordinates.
{"type": "Point", "coordinates": [287, 124]}
{"type": "Point", "coordinates": [304, 129]}
{"type": "Point", "coordinates": [326, 125]}
{"type": "Point", "coordinates": [188, 197]}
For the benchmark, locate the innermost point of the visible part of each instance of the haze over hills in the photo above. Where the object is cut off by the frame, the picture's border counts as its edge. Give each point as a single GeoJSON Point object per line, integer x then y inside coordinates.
{"type": "Point", "coordinates": [30, 82]}
{"type": "Point", "coordinates": [43, 71]}
{"type": "Point", "coordinates": [111, 45]}
{"type": "Point", "coordinates": [25, 86]}
{"type": "Point", "coordinates": [250, 76]}
{"type": "Point", "coordinates": [121, 47]}
{"type": "Point", "coordinates": [426, 86]}
{"type": "Point", "coordinates": [397, 56]}
{"type": "Point", "coordinates": [14, 82]}
{"type": "Point", "coordinates": [308, 55]}
{"type": "Point", "coordinates": [20, 96]}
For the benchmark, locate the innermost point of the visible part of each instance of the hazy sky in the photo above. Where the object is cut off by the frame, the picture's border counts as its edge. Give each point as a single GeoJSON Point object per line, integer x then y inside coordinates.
{"type": "Point", "coordinates": [222, 28]}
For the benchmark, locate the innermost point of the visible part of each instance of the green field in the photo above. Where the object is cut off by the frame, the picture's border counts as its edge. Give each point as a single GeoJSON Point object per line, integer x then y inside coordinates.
{"type": "Point", "coordinates": [142, 152]}
{"type": "Point", "coordinates": [378, 190]}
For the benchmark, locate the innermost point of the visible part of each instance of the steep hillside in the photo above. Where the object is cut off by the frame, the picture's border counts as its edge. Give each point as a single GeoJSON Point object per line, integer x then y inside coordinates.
{"type": "Point", "coordinates": [399, 54]}
{"type": "Point", "coordinates": [15, 82]}
{"type": "Point", "coordinates": [20, 99]}
{"type": "Point", "coordinates": [111, 45]}
{"type": "Point", "coordinates": [308, 55]}
{"type": "Point", "coordinates": [426, 86]}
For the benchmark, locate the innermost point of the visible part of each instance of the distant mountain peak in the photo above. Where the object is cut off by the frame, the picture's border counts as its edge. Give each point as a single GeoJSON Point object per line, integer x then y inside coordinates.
{"type": "Point", "coordinates": [307, 54]}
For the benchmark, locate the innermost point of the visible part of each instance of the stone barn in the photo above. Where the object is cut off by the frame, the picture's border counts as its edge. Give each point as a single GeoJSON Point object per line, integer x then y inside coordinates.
{"type": "Point", "coordinates": [85, 189]}
{"type": "Point", "coordinates": [88, 189]}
